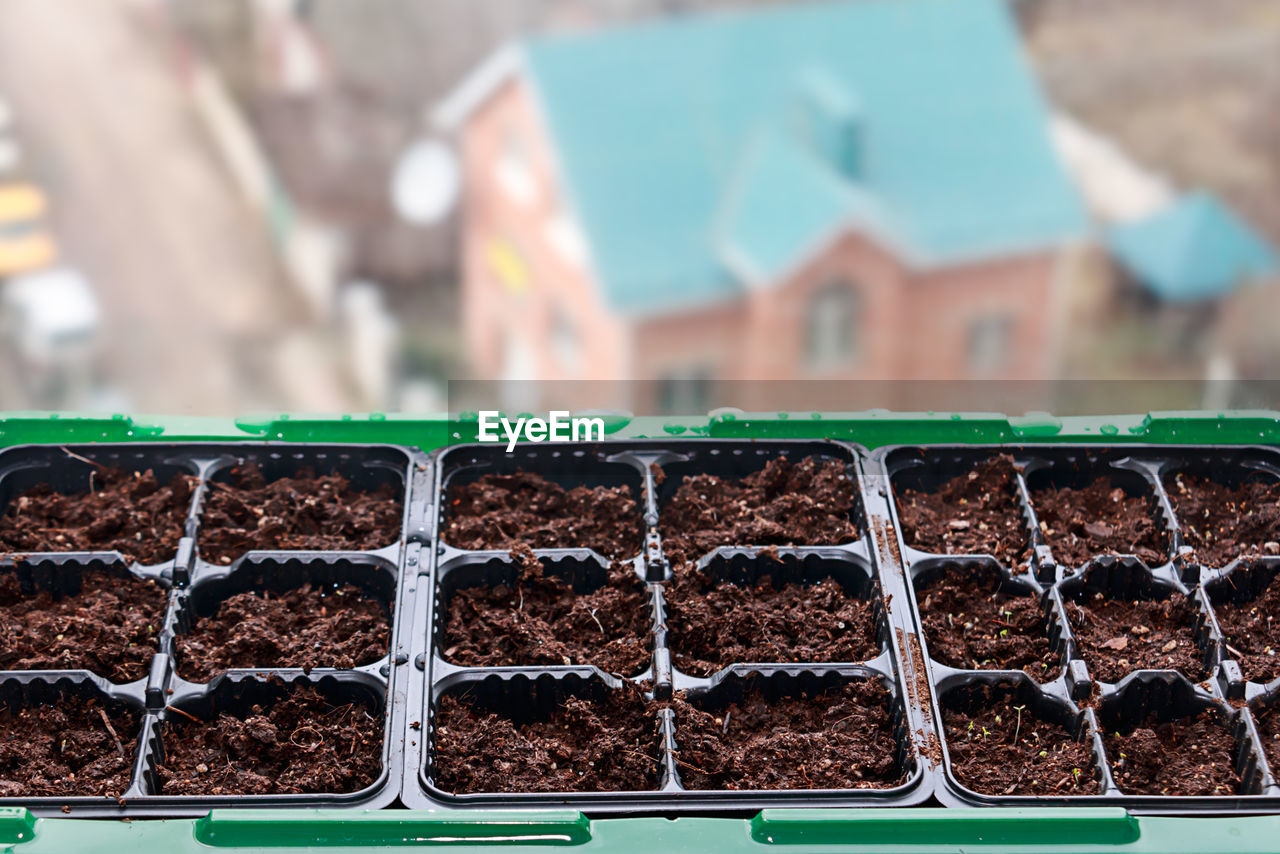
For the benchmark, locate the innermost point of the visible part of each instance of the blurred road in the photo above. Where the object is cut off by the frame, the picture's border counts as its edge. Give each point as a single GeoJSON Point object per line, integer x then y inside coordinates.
{"type": "Point", "coordinates": [193, 301]}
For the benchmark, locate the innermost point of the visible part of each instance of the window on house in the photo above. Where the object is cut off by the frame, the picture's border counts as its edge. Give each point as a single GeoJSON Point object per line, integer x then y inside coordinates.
{"type": "Point", "coordinates": [565, 238]}
{"type": "Point", "coordinates": [989, 343]}
{"type": "Point", "coordinates": [565, 344]}
{"type": "Point", "coordinates": [832, 325]}
{"type": "Point", "coordinates": [686, 391]}
{"type": "Point", "coordinates": [513, 170]}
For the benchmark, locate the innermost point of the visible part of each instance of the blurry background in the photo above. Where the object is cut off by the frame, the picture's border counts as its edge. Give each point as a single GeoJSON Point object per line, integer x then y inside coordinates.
{"type": "Point", "coordinates": [212, 206]}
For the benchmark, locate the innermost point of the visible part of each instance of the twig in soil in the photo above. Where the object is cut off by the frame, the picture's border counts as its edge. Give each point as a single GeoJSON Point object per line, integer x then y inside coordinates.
{"type": "Point", "coordinates": [725, 729]}
{"type": "Point", "coordinates": [75, 456]}
{"type": "Point", "coordinates": [300, 729]}
{"type": "Point", "coordinates": [1231, 649]}
{"type": "Point", "coordinates": [186, 715]}
{"type": "Point", "coordinates": [341, 710]}
{"type": "Point", "coordinates": [690, 767]}
{"type": "Point", "coordinates": [107, 722]}
{"type": "Point", "coordinates": [642, 756]}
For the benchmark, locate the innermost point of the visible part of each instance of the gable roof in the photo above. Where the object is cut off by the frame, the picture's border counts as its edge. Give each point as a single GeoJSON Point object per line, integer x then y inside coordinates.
{"type": "Point", "coordinates": [782, 202]}
{"type": "Point", "coordinates": [1194, 249]}
{"type": "Point", "coordinates": [678, 152]}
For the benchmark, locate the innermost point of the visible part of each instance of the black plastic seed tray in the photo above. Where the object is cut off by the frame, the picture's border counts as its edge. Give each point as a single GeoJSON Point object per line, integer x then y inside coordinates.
{"type": "Point", "coordinates": [196, 587]}
{"type": "Point", "coordinates": [416, 577]}
{"type": "Point", "coordinates": [63, 576]}
{"type": "Point", "coordinates": [72, 470]}
{"type": "Point", "coordinates": [523, 693]}
{"type": "Point", "coordinates": [1066, 693]}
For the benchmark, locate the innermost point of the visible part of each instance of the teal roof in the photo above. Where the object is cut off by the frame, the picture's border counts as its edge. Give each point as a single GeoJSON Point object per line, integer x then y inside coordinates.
{"type": "Point", "coordinates": [1195, 249]}
{"type": "Point", "coordinates": [782, 201]}
{"type": "Point", "coordinates": [680, 154]}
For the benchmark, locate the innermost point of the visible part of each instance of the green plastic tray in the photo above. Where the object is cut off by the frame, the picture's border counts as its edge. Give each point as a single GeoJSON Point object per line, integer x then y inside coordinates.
{"type": "Point", "coordinates": [828, 830]}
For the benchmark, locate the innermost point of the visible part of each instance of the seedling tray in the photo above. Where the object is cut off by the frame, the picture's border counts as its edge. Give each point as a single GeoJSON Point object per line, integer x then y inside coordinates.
{"type": "Point", "coordinates": [194, 587]}
{"type": "Point", "coordinates": [1095, 704]}
{"type": "Point", "coordinates": [416, 576]}
{"type": "Point", "coordinates": [654, 470]}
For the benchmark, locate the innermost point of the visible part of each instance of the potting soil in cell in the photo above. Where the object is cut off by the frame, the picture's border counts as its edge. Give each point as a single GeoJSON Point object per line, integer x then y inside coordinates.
{"type": "Point", "coordinates": [310, 626]}
{"type": "Point", "coordinates": [126, 511]}
{"type": "Point", "coordinates": [1099, 519]}
{"type": "Point", "coordinates": [540, 620]}
{"type": "Point", "coordinates": [301, 743]}
{"type": "Point", "coordinates": [503, 511]}
{"type": "Point", "coordinates": [74, 747]}
{"type": "Point", "coordinates": [841, 738]}
{"type": "Point", "coordinates": [110, 627]}
{"type": "Point", "coordinates": [808, 503]}
{"type": "Point", "coordinates": [306, 511]}
{"type": "Point", "coordinates": [973, 513]}
{"type": "Point", "coordinates": [608, 744]}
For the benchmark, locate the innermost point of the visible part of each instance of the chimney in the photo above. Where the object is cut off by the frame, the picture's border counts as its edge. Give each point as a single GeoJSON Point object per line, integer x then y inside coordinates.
{"type": "Point", "coordinates": [828, 120]}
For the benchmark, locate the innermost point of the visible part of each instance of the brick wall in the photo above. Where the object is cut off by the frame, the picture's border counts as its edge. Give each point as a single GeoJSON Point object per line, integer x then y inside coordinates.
{"type": "Point", "coordinates": [559, 291]}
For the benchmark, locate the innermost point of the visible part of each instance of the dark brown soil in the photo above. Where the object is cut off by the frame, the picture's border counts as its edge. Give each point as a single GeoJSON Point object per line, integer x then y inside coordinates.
{"type": "Point", "coordinates": [67, 749]}
{"type": "Point", "coordinates": [609, 745]}
{"type": "Point", "coordinates": [1252, 630]}
{"type": "Point", "coordinates": [1001, 748]}
{"type": "Point", "coordinates": [974, 513]}
{"type": "Point", "coordinates": [1268, 721]}
{"type": "Point", "coordinates": [300, 744]}
{"type": "Point", "coordinates": [502, 511]}
{"type": "Point", "coordinates": [839, 739]}
{"type": "Point", "coordinates": [1222, 523]}
{"type": "Point", "coordinates": [715, 623]}
{"type": "Point", "coordinates": [1099, 519]}
{"type": "Point", "coordinates": [301, 512]}
{"type": "Point", "coordinates": [1118, 636]}
{"type": "Point", "coordinates": [1191, 756]}
{"type": "Point", "coordinates": [110, 627]}
{"type": "Point", "coordinates": [307, 627]}
{"type": "Point", "coordinates": [540, 620]}
{"type": "Point", "coordinates": [809, 503]}
{"type": "Point", "coordinates": [125, 511]}
{"type": "Point", "coordinates": [971, 625]}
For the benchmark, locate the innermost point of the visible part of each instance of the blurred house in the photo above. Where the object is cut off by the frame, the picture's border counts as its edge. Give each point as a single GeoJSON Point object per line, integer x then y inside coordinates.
{"type": "Point", "coordinates": [1180, 286]}
{"type": "Point", "coordinates": [1202, 280]}
{"type": "Point", "coordinates": [839, 190]}
{"type": "Point", "coordinates": [1193, 251]}
{"type": "Point", "coordinates": [1194, 108]}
